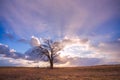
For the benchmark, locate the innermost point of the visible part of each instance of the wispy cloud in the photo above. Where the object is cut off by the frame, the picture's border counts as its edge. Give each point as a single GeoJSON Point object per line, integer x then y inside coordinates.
{"type": "Point", "coordinates": [58, 17]}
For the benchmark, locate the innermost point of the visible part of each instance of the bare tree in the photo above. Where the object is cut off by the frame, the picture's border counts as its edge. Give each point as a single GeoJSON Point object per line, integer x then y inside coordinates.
{"type": "Point", "coordinates": [50, 50]}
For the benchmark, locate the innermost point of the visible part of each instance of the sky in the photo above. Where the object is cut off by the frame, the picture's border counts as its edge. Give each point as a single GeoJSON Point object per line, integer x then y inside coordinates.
{"type": "Point", "coordinates": [93, 26]}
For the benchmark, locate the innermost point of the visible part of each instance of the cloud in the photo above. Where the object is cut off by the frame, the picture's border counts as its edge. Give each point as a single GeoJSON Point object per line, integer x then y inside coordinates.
{"type": "Point", "coordinates": [66, 60]}
{"type": "Point", "coordinates": [7, 61]}
{"type": "Point", "coordinates": [11, 53]}
{"type": "Point", "coordinates": [110, 49]}
{"type": "Point", "coordinates": [81, 52]}
{"type": "Point", "coordinates": [12, 50]}
{"type": "Point", "coordinates": [57, 18]}
{"type": "Point", "coordinates": [9, 57]}
{"type": "Point", "coordinates": [4, 49]}
{"type": "Point", "coordinates": [34, 41]}
{"type": "Point", "coordinates": [22, 40]}
{"type": "Point", "coordinates": [77, 61]}
{"type": "Point", "coordinates": [118, 39]}
{"type": "Point", "coordinates": [81, 61]}
{"type": "Point", "coordinates": [61, 18]}
{"type": "Point", "coordinates": [84, 55]}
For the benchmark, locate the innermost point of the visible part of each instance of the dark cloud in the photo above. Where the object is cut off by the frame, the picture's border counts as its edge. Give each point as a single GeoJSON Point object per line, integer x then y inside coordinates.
{"type": "Point", "coordinates": [4, 49]}
{"type": "Point", "coordinates": [23, 40]}
{"type": "Point", "coordinates": [7, 52]}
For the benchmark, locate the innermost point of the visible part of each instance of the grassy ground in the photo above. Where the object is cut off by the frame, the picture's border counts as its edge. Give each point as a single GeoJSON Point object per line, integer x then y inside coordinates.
{"type": "Point", "coordinates": [76, 73]}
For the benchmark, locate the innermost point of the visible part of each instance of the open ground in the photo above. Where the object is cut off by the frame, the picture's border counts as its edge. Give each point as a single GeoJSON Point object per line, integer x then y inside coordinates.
{"type": "Point", "coordinates": [103, 72]}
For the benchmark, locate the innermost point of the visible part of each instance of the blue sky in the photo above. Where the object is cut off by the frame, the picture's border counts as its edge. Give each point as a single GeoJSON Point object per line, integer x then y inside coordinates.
{"type": "Point", "coordinates": [98, 21]}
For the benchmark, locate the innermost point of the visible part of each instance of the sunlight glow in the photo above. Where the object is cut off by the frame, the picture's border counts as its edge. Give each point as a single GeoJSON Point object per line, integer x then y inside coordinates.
{"type": "Point", "coordinates": [75, 50]}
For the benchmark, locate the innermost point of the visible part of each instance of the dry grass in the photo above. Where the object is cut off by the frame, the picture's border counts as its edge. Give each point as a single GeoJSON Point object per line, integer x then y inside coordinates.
{"type": "Point", "coordinates": [75, 73]}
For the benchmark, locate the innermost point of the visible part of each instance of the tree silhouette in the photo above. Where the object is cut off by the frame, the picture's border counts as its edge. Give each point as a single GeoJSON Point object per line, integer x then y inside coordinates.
{"type": "Point", "coordinates": [49, 51]}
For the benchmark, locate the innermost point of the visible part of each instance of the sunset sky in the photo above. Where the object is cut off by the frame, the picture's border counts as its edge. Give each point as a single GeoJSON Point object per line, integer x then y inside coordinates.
{"type": "Point", "coordinates": [93, 26]}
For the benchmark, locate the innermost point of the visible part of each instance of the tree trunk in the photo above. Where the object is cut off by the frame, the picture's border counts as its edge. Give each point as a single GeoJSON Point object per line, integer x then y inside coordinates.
{"type": "Point", "coordinates": [51, 64]}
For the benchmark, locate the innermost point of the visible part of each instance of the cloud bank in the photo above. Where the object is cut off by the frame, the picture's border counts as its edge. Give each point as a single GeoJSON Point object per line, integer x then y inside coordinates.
{"type": "Point", "coordinates": [77, 52]}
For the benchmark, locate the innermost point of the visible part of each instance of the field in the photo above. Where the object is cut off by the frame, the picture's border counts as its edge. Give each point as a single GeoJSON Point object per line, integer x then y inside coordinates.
{"type": "Point", "coordinates": [111, 72]}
